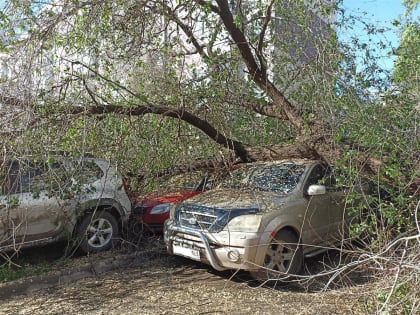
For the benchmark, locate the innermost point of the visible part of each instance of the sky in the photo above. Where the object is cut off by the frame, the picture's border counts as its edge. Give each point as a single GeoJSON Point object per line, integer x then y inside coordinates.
{"type": "Point", "coordinates": [380, 13]}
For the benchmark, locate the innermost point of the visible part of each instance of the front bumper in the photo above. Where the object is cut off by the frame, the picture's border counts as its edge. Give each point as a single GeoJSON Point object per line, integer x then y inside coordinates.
{"type": "Point", "coordinates": [223, 250]}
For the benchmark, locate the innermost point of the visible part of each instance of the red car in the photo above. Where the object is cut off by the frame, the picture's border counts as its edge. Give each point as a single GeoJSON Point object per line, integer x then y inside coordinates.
{"type": "Point", "coordinates": [152, 211]}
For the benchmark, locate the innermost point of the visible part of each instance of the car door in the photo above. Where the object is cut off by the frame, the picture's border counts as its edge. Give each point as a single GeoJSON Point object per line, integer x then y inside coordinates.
{"type": "Point", "coordinates": [33, 207]}
{"type": "Point", "coordinates": [5, 186]}
{"type": "Point", "coordinates": [317, 217]}
{"type": "Point", "coordinates": [339, 219]}
{"type": "Point", "coordinates": [10, 228]}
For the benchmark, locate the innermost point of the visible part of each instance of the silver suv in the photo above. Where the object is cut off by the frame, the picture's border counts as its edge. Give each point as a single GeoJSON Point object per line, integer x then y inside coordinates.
{"type": "Point", "coordinates": [264, 219]}
{"type": "Point", "coordinates": [57, 198]}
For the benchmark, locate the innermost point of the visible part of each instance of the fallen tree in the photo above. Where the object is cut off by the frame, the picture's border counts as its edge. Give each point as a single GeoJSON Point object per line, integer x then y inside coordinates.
{"type": "Point", "coordinates": [294, 79]}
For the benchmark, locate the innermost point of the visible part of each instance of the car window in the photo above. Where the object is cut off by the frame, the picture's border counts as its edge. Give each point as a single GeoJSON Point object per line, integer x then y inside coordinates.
{"type": "Point", "coordinates": [266, 177]}
{"type": "Point", "coordinates": [316, 176]}
{"type": "Point", "coordinates": [10, 179]}
{"type": "Point", "coordinates": [24, 176]}
{"type": "Point", "coordinates": [321, 175]}
{"type": "Point", "coordinates": [43, 176]}
{"type": "Point", "coordinates": [88, 172]}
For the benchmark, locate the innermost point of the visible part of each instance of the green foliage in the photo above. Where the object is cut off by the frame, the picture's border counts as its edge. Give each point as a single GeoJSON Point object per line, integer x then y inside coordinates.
{"type": "Point", "coordinates": [411, 5]}
{"type": "Point", "coordinates": [400, 299]}
{"type": "Point", "coordinates": [408, 63]}
{"type": "Point", "coordinates": [389, 211]}
{"type": "Point", "coordinates": [13, 202]}
{"type": "Point", "coordinates": [373, 119]}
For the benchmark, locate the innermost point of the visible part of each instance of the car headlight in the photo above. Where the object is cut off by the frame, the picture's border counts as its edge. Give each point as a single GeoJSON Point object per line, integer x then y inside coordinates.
{"type": "Point", "coordinates": [244, 223]}
{"type": "Point", "coordinates": [161, 208]}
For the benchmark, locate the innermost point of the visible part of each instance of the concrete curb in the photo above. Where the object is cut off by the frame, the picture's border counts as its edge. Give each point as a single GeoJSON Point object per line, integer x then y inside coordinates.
{"type": "Point", "coordinates": [69, 275]}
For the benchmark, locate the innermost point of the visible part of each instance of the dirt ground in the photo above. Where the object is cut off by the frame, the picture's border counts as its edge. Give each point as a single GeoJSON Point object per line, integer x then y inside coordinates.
{"type": "Point", "coordinates": [163, 284]}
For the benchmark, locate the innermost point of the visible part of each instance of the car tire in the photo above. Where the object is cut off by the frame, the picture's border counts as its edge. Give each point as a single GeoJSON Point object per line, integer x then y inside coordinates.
{"type": "Point", "coordinates": [96, 232]}
{"type": "Point", "coordinates": [283, 258]}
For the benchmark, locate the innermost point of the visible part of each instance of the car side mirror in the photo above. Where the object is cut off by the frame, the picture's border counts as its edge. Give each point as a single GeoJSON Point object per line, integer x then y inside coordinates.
{"type": "Point", "coordinates": [314, 190]}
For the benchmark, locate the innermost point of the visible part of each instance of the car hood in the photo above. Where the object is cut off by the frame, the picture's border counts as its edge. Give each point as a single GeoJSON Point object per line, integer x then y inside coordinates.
{"type": "Point", "coordinates": [172, 197]}
{"type": "Point", "coordinates": [239, 199]}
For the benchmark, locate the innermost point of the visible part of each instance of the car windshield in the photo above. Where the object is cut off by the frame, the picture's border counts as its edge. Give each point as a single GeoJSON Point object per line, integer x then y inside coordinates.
{"type": "Point", "coordinates": [266, 177]}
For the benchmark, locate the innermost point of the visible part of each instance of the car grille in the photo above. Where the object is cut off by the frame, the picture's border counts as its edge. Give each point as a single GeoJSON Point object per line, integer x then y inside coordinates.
{"type": "Point", "coordinates": [201, 217]}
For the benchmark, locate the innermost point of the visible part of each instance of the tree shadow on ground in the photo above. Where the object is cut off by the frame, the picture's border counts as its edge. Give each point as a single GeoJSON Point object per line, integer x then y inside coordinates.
{"type": "Point", "coordinates": [331, 270]}
{"type": "Point", "coordinates": [38, 254]}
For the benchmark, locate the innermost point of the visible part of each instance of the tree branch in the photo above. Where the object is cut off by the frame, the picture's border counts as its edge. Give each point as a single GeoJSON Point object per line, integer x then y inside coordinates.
{"type": "Point", "coordinates": [187, 30]}
{"type": "Point", "coordinates": [265, 109]}
{"type": "Point", "coordinates": [254, 68]}
{"type": "Point", "coordinates": [140, 110]}
{"type": "Point", "coordinates": [260, 53]}
{"type": "Point", "coordinates": [212, 7]}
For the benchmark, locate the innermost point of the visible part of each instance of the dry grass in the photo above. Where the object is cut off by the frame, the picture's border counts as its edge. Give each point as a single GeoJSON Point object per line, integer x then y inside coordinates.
{"type": "Point", "coordinates": [352, 281]}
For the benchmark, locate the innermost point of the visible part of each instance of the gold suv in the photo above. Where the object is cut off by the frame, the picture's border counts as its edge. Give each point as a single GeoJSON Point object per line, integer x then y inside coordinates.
{"type": "Point", "coordinates": [265, 218]}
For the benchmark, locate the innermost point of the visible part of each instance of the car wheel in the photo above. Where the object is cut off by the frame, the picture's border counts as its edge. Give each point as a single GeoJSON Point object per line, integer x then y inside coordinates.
{"type": "Point", "coordinates": [96, 232]}
{"type": "Point", "coordinates": [283, 257]}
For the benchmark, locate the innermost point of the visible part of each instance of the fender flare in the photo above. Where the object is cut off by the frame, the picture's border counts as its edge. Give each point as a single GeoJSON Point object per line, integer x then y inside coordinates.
{"type": "Point", "coordinates": [270, 231]}
{"type": "Point", "coordinates": [90, 206]}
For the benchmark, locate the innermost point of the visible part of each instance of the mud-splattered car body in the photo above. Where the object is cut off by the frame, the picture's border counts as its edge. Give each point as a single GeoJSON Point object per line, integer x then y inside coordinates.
{"type": "Point", "coordinates": [57, 198]}
{"type": "Point", "coordinates": [249, 221]}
